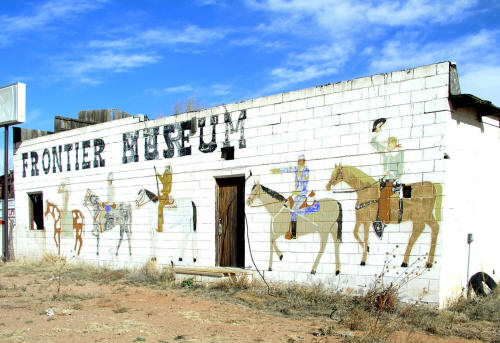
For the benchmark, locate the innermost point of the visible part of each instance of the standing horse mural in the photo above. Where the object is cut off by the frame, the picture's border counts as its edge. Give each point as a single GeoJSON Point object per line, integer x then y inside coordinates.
{"type": "Point", "coordinates": [179, 213]}
{"type": "Point", "coordinates": [78, 223]}
{"type": "Point", "coordinates": [326, 221]}
{"type": "Point", "coordinates": [107, 215]}
{"type": "Point", "coordinates": [422, 207]}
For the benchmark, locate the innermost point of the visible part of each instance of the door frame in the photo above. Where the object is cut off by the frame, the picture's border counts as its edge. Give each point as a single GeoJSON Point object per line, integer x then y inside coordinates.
{"type": "Point", "coordinates": [219, 179]}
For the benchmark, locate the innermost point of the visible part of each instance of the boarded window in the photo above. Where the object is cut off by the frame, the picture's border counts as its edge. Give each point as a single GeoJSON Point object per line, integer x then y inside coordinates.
{"type": "Point", "coordinates": [36, 210]}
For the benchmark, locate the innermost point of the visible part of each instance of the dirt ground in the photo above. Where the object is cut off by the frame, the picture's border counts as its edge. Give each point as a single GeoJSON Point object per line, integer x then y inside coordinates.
{"type": "Point", "coordinates": [89, 311]}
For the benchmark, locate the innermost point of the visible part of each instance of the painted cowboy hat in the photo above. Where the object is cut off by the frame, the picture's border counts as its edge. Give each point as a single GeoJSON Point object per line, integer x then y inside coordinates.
{"type": "Point", "coordinates": [376, 123]}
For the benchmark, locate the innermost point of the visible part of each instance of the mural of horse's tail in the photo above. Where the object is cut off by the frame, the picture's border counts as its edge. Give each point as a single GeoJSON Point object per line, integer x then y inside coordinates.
{"type": "Point", "coordinates": [438, 190]}
{"type": "Point", "coordinates": [194, 215]}
{"type": "Point", "coordinates": [339, 223]}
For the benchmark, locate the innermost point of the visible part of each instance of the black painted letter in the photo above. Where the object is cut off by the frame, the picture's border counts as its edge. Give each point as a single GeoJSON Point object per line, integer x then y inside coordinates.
{"type": "Point", "coordinates": [25, 163]}
{"type": "Point", "coordinates": [85, 154]}
{"type": "Point", "coordinates": [46, 169]}
{"type": "Point", "coordinates": [130, 144]}
{"type": "Point", "coordinates": [68, 148]}
{"type": "Point", "coordinates": [56, 159]}
{"type": "Point", "coordinates": [98, 149]}
{"type": "Point", "coordinates": [208, 147]}
{"type": "Point", "coordinates": [151, 144]}
{"type": "Point", "coordinates": [231, 129]}
{"type": "Point", "coordinates": [34, 162]}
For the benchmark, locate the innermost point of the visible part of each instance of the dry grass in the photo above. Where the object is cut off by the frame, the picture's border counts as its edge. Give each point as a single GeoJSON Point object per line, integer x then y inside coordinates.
{"type": "Point", "coordinates": [374, 317]}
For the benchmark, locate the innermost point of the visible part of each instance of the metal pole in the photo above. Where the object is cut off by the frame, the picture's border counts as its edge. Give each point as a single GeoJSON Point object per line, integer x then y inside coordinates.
{"type": "Point", "coordinates": [6, 196]}
{"type": "Point", "coordinates": [469, 241]}
{"type": "Point", "coordinates": [468, 264]}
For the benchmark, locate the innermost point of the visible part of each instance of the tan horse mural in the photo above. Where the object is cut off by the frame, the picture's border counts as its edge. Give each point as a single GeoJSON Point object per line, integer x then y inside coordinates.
{"type": "Point", "coordinates": [77, 216]}
{"type": "Point", "coordinates": [422, 208]}
{"type": "Point", "coordinates": [327, 221]}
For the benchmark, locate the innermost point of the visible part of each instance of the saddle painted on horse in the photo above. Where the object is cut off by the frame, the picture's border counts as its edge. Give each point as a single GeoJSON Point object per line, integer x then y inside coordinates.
{"type": "Point", "coordinates": [388, 188]}
{"type": "Point", "coordinates": [311, 205]}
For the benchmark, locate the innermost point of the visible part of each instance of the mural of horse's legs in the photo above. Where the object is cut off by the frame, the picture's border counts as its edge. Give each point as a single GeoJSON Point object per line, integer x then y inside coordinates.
{"type": "Point", "coordinates": [78, 227]}
{"type": "Point", "coordinates": [336, 243]}
{"type": "Point", "coordinates": [418, 228]}
{"type": "Point", "coordinates": [58, 240]}
{"type": "Point", "coordinates": [97, 245]}
{"type": "Point", "coordinates": [364, 242]}
{"type": "Point", "coordinates": [273, 246]}
{"type": "Point", "coordinates": [129, 237]}
{"type": "Point", "coordinates": [121, 239]}
{"type": "Point", "coordinates": [78, 238]}
{"type": "Point", "coordinates": [434, 233]}
{"type": "Point", "coordinates": [322, 245]}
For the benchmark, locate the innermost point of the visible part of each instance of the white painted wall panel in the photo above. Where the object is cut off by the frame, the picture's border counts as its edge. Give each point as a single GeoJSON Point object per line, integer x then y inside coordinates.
{"type": "Point", "coordinates": [329, 124]}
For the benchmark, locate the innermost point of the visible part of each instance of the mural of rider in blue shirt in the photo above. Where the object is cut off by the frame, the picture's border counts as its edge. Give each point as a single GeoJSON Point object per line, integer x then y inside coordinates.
{"type": "Point", "coordinates": [299, 195]}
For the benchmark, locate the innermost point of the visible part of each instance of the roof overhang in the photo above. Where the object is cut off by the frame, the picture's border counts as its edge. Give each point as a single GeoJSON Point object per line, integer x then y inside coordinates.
{"type": "Point", "coordinates": [483, 107]}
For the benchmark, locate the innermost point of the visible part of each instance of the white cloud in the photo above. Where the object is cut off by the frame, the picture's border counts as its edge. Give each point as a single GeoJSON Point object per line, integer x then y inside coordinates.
{"type": "Point", "coordinates": [476, 55]}
{"type": "Point", "coordinates": [309, 64]}
{"type": "Point", "coordinates": [171, 90]}
{"type": "Point", "coordinates": [83, 70]}
{"type": "Point", "coordinates": [476, 47]}
{"type": "Point", "coordinates": [354, 15]}
{"type": "Point", "coordinates": [191, 34]}
{"type": "Point", "coordinates": [252, 41]}
{"type": "Point", "coordinates": [220, 89]}
{"type": "Point", "coordinates": [45, 14]}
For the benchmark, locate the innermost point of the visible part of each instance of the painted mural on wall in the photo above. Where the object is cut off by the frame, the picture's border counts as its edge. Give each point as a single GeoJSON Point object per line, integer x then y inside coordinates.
{"type": "Point", "coordinates": [77, 224]}
{"type": "Point", "coordinates": [300, 214]}
{"type": "Point", "coordinates": [172, 214]}
{"type": "Point", "coordinates": [388, 201]}
{"type": "Point", "coordinates": [92, 153]}
{"type": "Point", "coordinates": [108, 215]}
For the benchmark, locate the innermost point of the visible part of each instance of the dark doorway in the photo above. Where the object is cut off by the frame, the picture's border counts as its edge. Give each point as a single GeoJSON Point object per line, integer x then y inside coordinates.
{"type": "Point", "coordinates": [230, 222]}
{"type": "Point", "coordinates": [36, 210]}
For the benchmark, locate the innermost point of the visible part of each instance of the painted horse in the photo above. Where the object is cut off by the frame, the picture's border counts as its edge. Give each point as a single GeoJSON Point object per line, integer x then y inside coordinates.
{"type": "Point", "coordinates": [422, 208]}
{"type": "Point", "coordinates": [78, 222]}
{"type": "Point", "coordinates": [326, 221]}
{"type": "Point", "coordinates": [108, 215]}
{"type": "Point", "coordinates": [181, 214]}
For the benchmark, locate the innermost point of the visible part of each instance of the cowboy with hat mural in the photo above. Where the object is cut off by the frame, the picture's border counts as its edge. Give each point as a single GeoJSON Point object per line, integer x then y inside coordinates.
{"type": "Point", "coordinates": [393, 160]}
{"type": "Point", "coordinates": [299, 195]}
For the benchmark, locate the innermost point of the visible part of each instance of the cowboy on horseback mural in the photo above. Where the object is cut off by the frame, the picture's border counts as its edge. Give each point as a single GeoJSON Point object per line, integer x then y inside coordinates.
{"type": "Point", "coordinates": [164, 195]}
{"type": "Point", "coordinates": [298, 200]}
{"type": "Point", "coordinates": [393, 160]}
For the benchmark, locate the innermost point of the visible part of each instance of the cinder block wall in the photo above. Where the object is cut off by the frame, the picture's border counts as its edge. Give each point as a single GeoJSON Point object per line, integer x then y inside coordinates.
{"type": "Point", "coordinates": [329, 125]}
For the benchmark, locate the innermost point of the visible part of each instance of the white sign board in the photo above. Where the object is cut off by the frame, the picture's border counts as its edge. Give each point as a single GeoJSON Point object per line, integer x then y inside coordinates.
{"type": "Point", "coordinates": [13, 104]}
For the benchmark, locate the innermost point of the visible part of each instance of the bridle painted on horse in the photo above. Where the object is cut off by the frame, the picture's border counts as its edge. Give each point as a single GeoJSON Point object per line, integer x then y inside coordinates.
{"type": "Point", "coordinates": [341, 172]}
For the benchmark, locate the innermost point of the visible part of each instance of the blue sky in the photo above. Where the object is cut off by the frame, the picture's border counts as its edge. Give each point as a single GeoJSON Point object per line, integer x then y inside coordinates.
{"type": "Point", "coordinates": [146, 56]}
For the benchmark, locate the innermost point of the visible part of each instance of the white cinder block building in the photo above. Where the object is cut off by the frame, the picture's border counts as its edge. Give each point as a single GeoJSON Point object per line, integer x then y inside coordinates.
{"type": "Point", "coordinates": [326, 184]}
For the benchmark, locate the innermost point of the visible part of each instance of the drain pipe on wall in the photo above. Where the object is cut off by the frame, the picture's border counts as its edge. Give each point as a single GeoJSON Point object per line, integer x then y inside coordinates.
{"type": "Point", "coordinates": [469, 241]}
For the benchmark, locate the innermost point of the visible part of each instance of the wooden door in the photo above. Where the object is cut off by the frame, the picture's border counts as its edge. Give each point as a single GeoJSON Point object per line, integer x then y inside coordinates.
{"type": "Point", "coordinates": [230, 222]}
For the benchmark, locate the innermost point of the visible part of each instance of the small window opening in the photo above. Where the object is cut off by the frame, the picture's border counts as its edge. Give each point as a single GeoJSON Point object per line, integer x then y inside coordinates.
{"type": "Point", "coordinates": [228, 153]}
{"type": "Point", "coordinates": [36, 210]}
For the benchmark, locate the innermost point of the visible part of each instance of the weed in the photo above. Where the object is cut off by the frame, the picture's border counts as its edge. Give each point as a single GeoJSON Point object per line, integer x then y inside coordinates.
{"type": "Point", "coordinates": [187, 283]}
{"type": "Point", "coordinates": [76, 306]}
{"type": "Point", "coordinates": [120, 309]}
{"type": "Point", "coordinates": [139, 339]}
{"type": "Point", "coordinates": [236, 283]}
